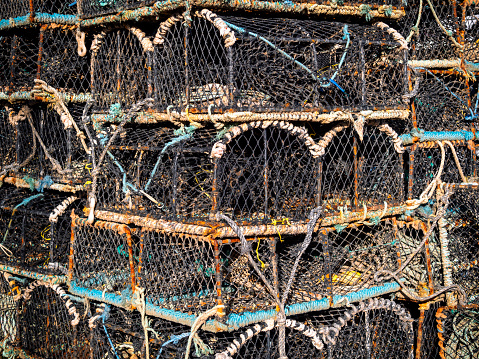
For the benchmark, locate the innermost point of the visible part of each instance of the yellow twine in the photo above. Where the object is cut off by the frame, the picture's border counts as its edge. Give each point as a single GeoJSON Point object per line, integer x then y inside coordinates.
{"type": "Point", "coordinates": [45, 230]}
{"type": "Point", "coordinates": [257, 254]}
{"type": "Point", "coordinates": [282, 221]}
{"type": "Point", "coordinates": [89, 167]}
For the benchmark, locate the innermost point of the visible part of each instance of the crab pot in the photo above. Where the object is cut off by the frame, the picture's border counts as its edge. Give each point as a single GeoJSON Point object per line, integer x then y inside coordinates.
{"type": "Point", "coordinates": [54, 150]}
{"type": "Point", "coordinates": [427, 331]}
{"type": "Point", "coordinates": [18, 60]}
{"type": "Point", "coordinates": [50, 324]}
{"type": "Point", "coordinates": [471, 36]}
{"type": "Point", "coordinates": [102, 258]}
{"type": "Point", "coordinates": [462, 226]}
{"type": "Point", "coordinates": [440, 100]}
{"type": "Point", "coordinates": [457, 331]}
{"type": "Point", "coordinates": [32, 235]}
{"type": "Point", "coordinates": [48, 53]}
{"type": "Point", "coordinates": [425, 160]}
{"type": "Point", "coordinates": [8, 134]}
{"type": "Point", "coordinates": [239, 64]}
{"type": "Point", "coordinates": [256, 173]}
{"type": "Point", "coordinates": [369, 329]}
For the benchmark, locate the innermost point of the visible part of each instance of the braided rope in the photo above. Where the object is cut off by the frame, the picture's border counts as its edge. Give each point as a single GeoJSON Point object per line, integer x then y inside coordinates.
{"type": "Point", "coordinates": [58, 290]}
{"type": "Point", "coordinates": [165, 27]}
{"type": "Point", "coordinates": [225, 31]}
{"type": "Point", "coordinates": [61, 208]}
{"type": "Point", "coordinates": [328, 137]}
{"type": "Point", "coordinates": [220, 146]}
{"type": "Point", "coordinates": [394, 33]}
{"type": "Point", "coordinates": [398, 145]}
{"type": "Point", "coordinates": [325, 334]}
{"type": "Point", "coordinates": [144, 40]}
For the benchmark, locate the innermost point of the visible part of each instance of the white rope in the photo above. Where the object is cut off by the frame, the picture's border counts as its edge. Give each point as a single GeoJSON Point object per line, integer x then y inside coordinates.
{"type": "Point", "coordinates": [394, 33]}
{"type": "Point", "coordinates": [200, 320]}
{"type": "Point", "coordinates": [61, 208]}
{"type": "Point", "coordinates": [145, 41]}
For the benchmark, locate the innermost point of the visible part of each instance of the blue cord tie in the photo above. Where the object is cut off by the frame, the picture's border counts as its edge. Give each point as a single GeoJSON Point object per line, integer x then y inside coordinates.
{"type": "Point", "coordinates": [173, 339]}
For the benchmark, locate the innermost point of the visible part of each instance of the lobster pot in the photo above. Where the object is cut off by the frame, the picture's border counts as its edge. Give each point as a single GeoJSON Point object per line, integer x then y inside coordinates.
{"type": "Point", "coordinates": [102, 259]}
{"type": "Point", "coordinates": [442, 102]}
{"type": "Point", "coordinates": [471, 36]}
{"type": "Point", "coordinates": [18, 60]}
{"type": "Point", "coordinates": [432, 42]}
{"type": "Point", "coordinates": [241, 64]}
{"type": "Point", "coordinates": [458, 332]}
{"type": "Point", "coordinates": [357, 173]}
{"type": "Point", "coordinates": [462, 226]}
{"type": "Point", "coordinates": [60, 65]}
{"type": "Point", "coordinates": [370, 329]}
{"type": "Point", "coordinates": [35, 228]}
{"type": "Point", "coordinates": [8, 324]}
{"type": "Point", "coordinates": [119, 69]}
{"type": "Point", "coordinates": [99, 7]}
{"type": "Point", "coordinates": [425, 161]}
{"type": "Point", "coordinates": [48, 146]}
{"type": "Point", "coordinates": [17, 8]}
{"type": "Point", "coordinates": [178, 271]}
{"type": "Point", "coordinates": [49, 323]}
{"type": "Point", "coordinates": [266, 171]}
{"type": "Point", "coordinates": [117, 330]}
{"type": "Point", "coordinates": [48, 53]}
{"type": "Point", "coordinates": [159, 172]}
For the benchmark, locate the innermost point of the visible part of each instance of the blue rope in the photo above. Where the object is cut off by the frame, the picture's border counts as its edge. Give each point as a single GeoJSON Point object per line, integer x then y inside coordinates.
{"type": "Point", "coordinates": [27, 200]}
{"type": "Point", "coordinates": [45, 182]}
{"type": "Point", "coordinates": [183, 134]}
{"type": "Point", "coordinates": [105, 315]}
{"type": "Point", "coordinates": [300, 64]}
{"type": "Point", "coordinates": [174, 339]}
{"type": "Point", "coordinates": [423, 136]}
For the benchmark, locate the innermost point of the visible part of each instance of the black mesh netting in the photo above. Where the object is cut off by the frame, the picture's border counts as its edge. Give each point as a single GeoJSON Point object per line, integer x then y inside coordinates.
{"type": "Point", "coordinates": [31, 235]}
{"type": "Point", "coordinates": [274, 64]}
{"type": "Point", "coordinates": [261, 173]}
{"type": "Point", "coordinates": [16, 8]}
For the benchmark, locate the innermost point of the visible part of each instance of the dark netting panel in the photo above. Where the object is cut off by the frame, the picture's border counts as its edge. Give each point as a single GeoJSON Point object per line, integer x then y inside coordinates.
{"type": "Point", "coordinates": [462, 225]}
{"type": "Point", "coordinates": [267, 173]}
{"type": "Point", "coordinates": [432, 41]}
{"type": "Point", "coordinates": [117, 332]}
{"type": "Point", "coordinates": [357, 173]}
{"type": "Point", "coordinates": [32, 236]}
{"type": "Point", "coordinates": [14, 8]}
{"type": "Point", "coordinates": [372, 329]}
{"type": "Point", "coordinates": [159, 171]}
{"type": "Point", "coordinates": [458, 332]}
{"type": "Point", "coordinates": [442, 102]}
{"type": "Point", "coordinates": [51, 147]}
{"type": "Point", "coordinates": [60, 65]}
{"type": "Point", "coordinates": [178, 271]}
{"type": "Point", "coordinates": [104, 257]}
{"type": "Point", "coordinates": [250, 64]}
{"type": "Point", "coordinates": [8, 136]}
{"type": "Point", "coordinates": [426, 163]}
{"type": "Point", "coordinates": [19, 60]}
{"type": "Point", "coordinates": [49, 323]}
{"type": "Point", "coordinates": [471, 36]}
{"type": "Point", "coordinates": [120, 69]}
{"type": "Point", "coordinates": [427, 332]}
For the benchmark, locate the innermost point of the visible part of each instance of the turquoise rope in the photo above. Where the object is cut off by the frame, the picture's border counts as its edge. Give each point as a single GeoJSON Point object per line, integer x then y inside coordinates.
{"type": "Point", "coordinates": [173, 339]}
{"type": "Point", "coordinates": [183, 135]}
{"type": "Point", "coordinates": [424, 136]}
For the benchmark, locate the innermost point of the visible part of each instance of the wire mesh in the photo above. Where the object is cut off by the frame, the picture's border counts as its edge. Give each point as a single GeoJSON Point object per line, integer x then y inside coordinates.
{"type": "Point", "coordinates": [43, 144]}
{"type": "Point", "coordinates": [29, 238]}
{"type": "Point", "coordinates": [263, 172]}
{"type": "Point", "coordinates": [442, 102]}
{"type": "Point", "coordinates": [17, 8]}
{"type": "Point", "coordinates": [47, 323]}
{"type": "Point", "coordinates": [458, 332]}
{"type": "Point", "coordinates": [260, 65]}
{"type": "Point", "coordinates": [471, 31]}
{"type": "Point", "coordinates": [462, 236]}
{"type": "Point", "coordinates": [8, 324]}
{"type": "Point", "coordinates": [90, 8]}
{"type": "Point", "coordinates": [427, 341]}
{"type": "Point", "coordinates": [426, 159]}
{"type": "Point", "coordinates": [103, 257]}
